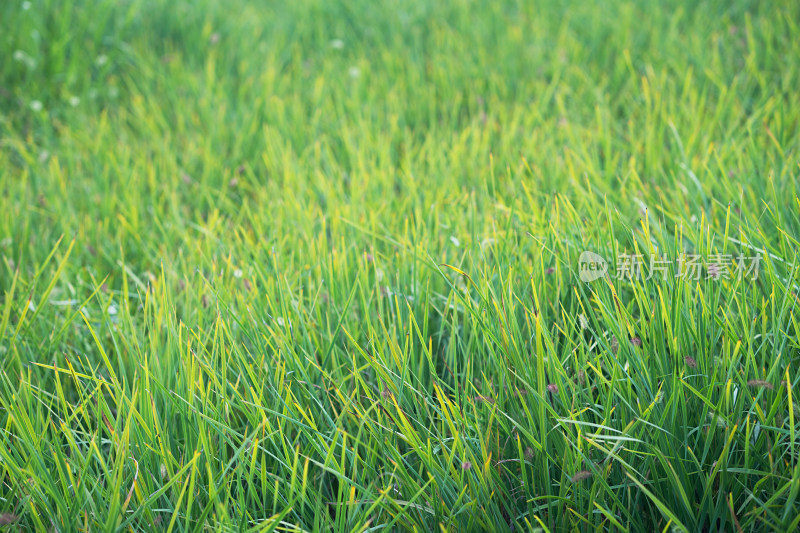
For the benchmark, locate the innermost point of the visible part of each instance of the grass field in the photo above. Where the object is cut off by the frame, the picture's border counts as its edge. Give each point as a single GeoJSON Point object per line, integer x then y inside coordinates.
{"type": "Point", "coordinates": [316, 265]}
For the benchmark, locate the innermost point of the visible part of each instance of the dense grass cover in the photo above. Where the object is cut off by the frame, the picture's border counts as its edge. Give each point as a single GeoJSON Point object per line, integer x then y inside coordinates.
{"type": "Point", "coordinates": [314, 265]}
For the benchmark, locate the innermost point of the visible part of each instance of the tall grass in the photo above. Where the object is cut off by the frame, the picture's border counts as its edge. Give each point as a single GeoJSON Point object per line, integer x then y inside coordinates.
{"type": "Point", "coordinates": [315, 266]}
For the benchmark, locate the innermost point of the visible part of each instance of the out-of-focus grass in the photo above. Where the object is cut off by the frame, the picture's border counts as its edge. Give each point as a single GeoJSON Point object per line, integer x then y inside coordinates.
{"type": "Point", "coordinates": [314, 265]}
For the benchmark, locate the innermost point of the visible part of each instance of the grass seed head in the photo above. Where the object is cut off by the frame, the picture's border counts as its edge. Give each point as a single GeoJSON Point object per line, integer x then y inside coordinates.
{"type": "Point", "coordinates": [528, 453]}
{"type": "Point", "coordinates": [760, 384]}
{"type": "Point", "coordinates": [8, 518]}
{"type": "Point", "coordinates": [580, 476]}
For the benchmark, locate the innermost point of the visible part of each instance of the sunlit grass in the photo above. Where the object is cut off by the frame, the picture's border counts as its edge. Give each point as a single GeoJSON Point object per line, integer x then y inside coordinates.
{"type": "Point", "coordinates": [315, 266]}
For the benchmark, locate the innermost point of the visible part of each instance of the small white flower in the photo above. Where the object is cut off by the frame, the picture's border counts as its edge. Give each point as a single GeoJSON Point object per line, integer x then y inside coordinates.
{"type": "Point", "coordinates": [101, 60]}
{"type": "Point", "coordinates": [36, 106]}
{"type": "Point", "coordinates": [720, 421]}
{"type": "Point", "coordinates": [237, 273]}
{"type": "Point", "coordinates": [584, 323]}
{"type": "Point", "coordinates": [455, 240]}
{"type": "Point", "coordinates": [354, 72]}
{"type": "Point", "coordinates": [26, 6]}
{"type": "Point", "coordinates": [112, 310]}
{"type": "Point", "coordinates": [337, 44]}
{"type": "Point", "coordinates": [74, 101]}
{"type": "Point", "coordinates": [280, 321]}
{"type": "Point", "coordinates": [22, 57]}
